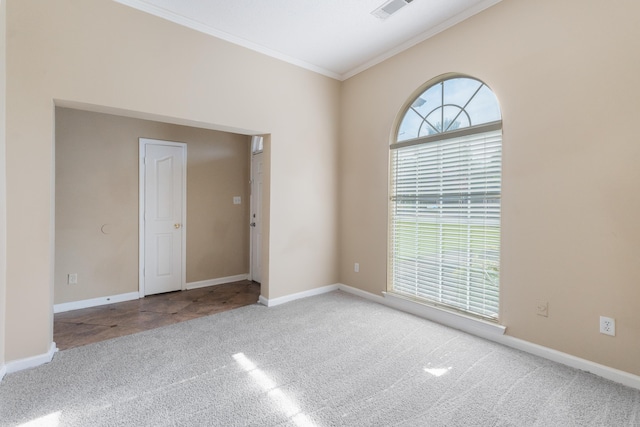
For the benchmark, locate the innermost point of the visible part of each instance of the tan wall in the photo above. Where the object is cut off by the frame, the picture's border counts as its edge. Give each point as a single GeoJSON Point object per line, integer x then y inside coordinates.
{"type": "Point", "coordinates": [97, 184]}
{"type": "Point", "coordinates": [3, 195]}
{"type": "Point", "coordinates": [105, 56]}
{"type": "Point", "coordinates": [217, 230]}
{"type": "Point", "coordinates": [566, 76]}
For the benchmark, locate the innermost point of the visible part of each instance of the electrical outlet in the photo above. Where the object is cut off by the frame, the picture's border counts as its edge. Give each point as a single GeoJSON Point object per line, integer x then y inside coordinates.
{"type": "Point", "coordinates": [72, 279]}
{"type": "Point", "coordinates": [607, 326]}
{"type": "Point", "coordinates": [542, 309]}
{"type": "Point", "coordinates": [356, 267]}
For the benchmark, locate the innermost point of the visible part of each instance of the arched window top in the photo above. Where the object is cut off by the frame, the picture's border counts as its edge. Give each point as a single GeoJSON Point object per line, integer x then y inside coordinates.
{"type": "Point", "coordinates": [450, 104]}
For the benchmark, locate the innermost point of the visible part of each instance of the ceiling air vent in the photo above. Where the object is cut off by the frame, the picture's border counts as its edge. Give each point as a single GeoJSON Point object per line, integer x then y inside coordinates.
{"type": "Point", "coordinates": [389, 8]}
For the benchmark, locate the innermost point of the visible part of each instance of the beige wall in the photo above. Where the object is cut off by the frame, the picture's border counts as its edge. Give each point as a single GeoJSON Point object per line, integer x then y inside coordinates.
{"type": "Point", "coordinates": [3, 195]}
{"type": "Point", "coordinates": [105, 56]}
{"type": "Point", "coordinates": [97, 184]}
{"type": "Point", "coordinates": [217, 230]}
{"type": "Point", "coordinates": [564, 72]}
{"type": "Point", "coordinates": [566, 76]}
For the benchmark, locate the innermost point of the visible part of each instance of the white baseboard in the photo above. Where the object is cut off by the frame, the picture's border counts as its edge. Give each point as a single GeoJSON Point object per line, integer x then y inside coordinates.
{"type": "Point", "coordinates": [603, 371]}
{"type": "Point", "coordinates": [360, 293]}
{"type": "Point", "coordinates": [455, 320]}
{"type": "Point", "coordinates": [452, 319]}
{"type": "Point", "coordinates": [31, 362]}
{"type": "Point", "coordinates": [3, 372]}
{"type": "Point", "coordinates": [287, 298]}
{"type": "Point", "coordinates": [218, 281]}
{"type": "Point", "coordinates": [94, 302]}
{"type": "Point", "coordinates": [622, 377]}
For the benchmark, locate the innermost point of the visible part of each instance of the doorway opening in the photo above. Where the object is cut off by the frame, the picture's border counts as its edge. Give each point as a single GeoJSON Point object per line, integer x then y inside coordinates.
{"type": "Point", "coordinates": [97, 218]}
{"type": "Point", "coordinates": [89, 325]}
{"type": "Point", "coordinates": [257, 180]}
{"type": "Point", "coordinates": [163, 196]}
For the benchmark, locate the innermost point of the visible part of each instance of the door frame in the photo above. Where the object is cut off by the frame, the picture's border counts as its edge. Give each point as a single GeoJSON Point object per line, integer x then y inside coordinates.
{"type": "Point", "coordinates": [143, 143]}
{"type": "Point", "coordinates": [253, 205]}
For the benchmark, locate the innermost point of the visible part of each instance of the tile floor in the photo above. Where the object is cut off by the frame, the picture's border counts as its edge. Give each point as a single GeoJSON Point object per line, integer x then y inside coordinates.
{"type": "Point", "coordinates": [89, 325]}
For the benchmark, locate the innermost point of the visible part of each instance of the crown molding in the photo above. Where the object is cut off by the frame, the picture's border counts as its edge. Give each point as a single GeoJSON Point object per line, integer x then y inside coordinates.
{"type": "Point", "coordinates": [206, 29]}
{"type": "Point", "coordinates": [468, 13]}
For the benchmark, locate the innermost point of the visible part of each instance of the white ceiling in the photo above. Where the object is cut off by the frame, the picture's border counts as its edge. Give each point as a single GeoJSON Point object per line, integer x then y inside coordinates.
{"type": "Point", "coordinates": [337, 38]}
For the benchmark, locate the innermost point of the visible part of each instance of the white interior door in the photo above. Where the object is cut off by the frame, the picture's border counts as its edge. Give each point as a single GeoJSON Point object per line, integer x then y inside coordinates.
{"type": "Point", "coordinates": [163, 186]}
{"type": "Point", "coordinates": [256, 216]}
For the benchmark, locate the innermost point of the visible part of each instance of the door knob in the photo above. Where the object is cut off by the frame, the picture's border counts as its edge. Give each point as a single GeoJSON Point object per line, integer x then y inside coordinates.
{"type": "Point", "coordinates": [177, 226]}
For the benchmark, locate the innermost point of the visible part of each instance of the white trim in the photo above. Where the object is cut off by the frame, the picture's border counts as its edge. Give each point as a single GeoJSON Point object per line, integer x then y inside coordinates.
{"type": "Point", "coordinates": [462, 323]}
{"type": "Point", "coordinates": [622, 377]}
{"type": "Point", "coordinates": [252, 208]}
{"type": "Point", "coordinates": [292, 297]}
{"type": "Point", "coordinates": [625, 378]}
{"type": "Point", "coordinates": [143, 142]}
{"type": "Point", "coordinates": [362, 294]}
{"type": "Point", "coordinates": [94, 302]}
{"type": "Point", "coordinates": [31, 362]}
{"type": "Point", "coordinates": [218, 281]}
{"type": "Point", "coordinates": [468, 13]}
{"type": "Point", "coordinates": [452, 319]}
{"type": "Point", "coordinates": [251, 203]}
{"type": "Point", "coordinates": [3, 371]}
{"type": "Point", "coordinates": [141, 186]}
{"type": "Point", "coordinates": [206, 29]}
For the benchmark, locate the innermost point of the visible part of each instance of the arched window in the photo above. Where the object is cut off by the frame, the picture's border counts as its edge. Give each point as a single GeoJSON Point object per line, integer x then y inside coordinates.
{"type": "Point", "coordinates": [445, 188]}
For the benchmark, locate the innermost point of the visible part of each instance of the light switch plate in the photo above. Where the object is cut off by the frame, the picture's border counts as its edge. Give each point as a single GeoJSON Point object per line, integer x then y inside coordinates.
{"type": "Point", "coordinates": [237, 200]}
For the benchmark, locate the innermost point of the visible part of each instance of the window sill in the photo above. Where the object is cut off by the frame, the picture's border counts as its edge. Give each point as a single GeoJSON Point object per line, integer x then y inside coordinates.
{"type": "Point", "coordinates": [452, 319]}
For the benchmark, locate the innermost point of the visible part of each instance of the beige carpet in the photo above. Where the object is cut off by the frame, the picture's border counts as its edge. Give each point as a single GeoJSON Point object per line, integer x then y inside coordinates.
{"type": "Point", "coordinates": [329, 360]}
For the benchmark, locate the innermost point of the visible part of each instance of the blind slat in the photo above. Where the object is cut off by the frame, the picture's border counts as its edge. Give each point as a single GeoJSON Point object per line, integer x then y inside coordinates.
{"type": "Point", "coordinates": [445, 222]}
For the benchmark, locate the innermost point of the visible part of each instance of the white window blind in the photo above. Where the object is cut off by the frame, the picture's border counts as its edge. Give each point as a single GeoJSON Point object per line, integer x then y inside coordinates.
{"type": "Point", "coordinates": [445, 220]}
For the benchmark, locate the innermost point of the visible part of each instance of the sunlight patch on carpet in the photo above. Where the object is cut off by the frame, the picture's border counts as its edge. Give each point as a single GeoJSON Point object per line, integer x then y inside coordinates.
{"type": "Point", "coordinates": [437, 372]}
{"type": "Point", "coordinates": [282, 401]}
{"type": "Point", "coordinates": [51, 420]}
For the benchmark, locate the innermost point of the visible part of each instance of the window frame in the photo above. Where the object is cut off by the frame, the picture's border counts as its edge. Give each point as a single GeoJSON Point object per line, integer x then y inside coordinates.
{"type": "Point", "coordinates": [420, 140]}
